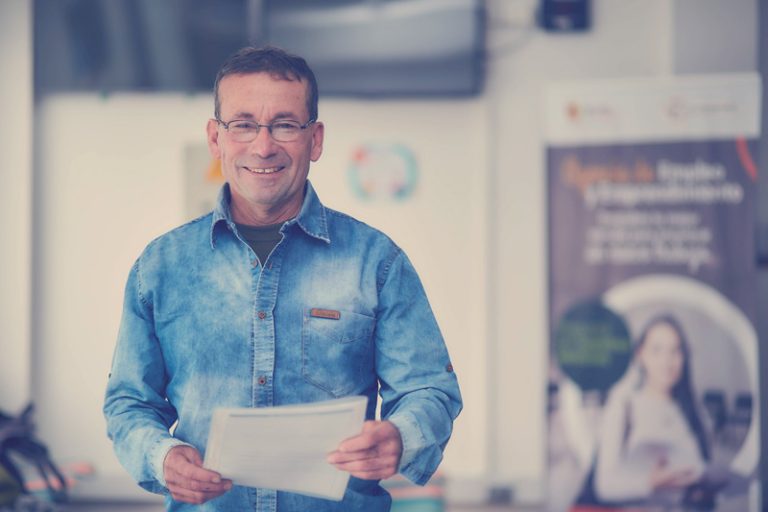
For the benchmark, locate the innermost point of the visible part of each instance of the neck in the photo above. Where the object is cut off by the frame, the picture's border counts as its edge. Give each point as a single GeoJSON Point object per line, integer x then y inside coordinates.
{"type": "Point", "coordinates": [657, 391]}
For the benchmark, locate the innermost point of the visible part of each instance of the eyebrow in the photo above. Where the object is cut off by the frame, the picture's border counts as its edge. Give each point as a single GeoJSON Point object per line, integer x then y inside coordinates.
{"type": "Point", "coordinates": [279, 115]}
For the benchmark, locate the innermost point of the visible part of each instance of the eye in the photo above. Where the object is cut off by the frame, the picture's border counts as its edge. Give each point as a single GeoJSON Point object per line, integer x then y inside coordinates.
{"type": "Point", "coordinates": [243, 126]}
{"type": "Point", "coordinates": [285, 125]}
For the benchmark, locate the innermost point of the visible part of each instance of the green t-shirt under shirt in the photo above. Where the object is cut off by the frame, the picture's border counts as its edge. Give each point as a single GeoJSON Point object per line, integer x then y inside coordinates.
{"type": "Point", "coordinates": [262, 239]}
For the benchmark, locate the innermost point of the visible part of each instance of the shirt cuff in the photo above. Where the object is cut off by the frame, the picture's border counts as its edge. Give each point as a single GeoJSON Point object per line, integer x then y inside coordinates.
{"type": "Point", "coordinates": [413, 441]}
{"type": "Point", "coordinates": [157, 456]}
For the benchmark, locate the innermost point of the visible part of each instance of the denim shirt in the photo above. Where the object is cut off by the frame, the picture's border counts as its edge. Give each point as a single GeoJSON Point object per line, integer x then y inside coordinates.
{"type": "Point", "coordinates": [206, 325]}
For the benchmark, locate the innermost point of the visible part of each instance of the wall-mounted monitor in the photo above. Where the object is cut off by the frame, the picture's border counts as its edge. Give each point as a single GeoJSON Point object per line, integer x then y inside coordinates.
{"type": "Point", "coordinates": [384, 47]}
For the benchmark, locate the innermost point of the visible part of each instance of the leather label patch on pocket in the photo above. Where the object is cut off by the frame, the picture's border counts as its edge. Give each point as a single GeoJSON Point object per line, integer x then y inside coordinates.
{"type": "Point", "coordinates": [330, 314]}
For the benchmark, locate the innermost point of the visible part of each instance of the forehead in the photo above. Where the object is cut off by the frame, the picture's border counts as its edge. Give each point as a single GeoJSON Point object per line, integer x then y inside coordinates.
{"type": "Point", "coordinates": [662, 335]}
{"type": "Point", "coordinates": [259, 94]}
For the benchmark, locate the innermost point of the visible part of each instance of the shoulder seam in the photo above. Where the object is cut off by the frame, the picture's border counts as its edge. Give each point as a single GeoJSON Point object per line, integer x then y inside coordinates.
{"type": "Point", "coordinates": [149, 246]}
{"type": "Point", "coordinates": [361, 223]}
{"type": "Point", "coordinates": [387, 266]}
{"type": "Point", "coordinates": [139, 286]}
{"type": "Point", "coordinates": [396, 250]}
{"type": "Point", "coordinates": [174, 230]}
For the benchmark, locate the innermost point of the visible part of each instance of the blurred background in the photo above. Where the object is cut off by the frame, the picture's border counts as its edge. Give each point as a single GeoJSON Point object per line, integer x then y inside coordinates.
{"type": "Point", "coordinates": [105, 104]}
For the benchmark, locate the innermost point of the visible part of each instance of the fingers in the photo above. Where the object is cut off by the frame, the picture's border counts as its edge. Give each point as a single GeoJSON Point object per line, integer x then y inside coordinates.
{"type": "Point", "coordinates": [683, 478]}
{"type": "Point", "coordinates": [187, 480]}
{"type": "Point", "coordinates": [373, 454]}
{"type": "Point", "coordinates": [374, 433]}
{"type": "Point", "coordinates": [193, 497]}
{"type": "Point", "coordinates": [370, 468]}
{"type": "Point", "coordinates": [192, 491]}
{"type": "Point", "coordinates": [665, 478]}
{"type": "Point", "coordinates": [339, 457]}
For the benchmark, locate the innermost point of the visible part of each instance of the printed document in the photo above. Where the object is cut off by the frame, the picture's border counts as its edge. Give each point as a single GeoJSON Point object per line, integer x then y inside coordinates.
{"type": "Point", "coordinates": [285, 447]}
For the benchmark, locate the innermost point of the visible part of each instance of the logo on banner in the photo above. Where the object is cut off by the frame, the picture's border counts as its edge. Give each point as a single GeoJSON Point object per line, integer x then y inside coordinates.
{"type": "Point", "coordinates": [582, 112]}
{"type": "Point", "coordinates": [383, 171]}
{"type": "Point", "coordinates": [680, 108]}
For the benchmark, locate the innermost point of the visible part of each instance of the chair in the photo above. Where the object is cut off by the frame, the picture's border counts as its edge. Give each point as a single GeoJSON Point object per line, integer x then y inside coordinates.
{"type": "Point", "coordinates": [714, 404]}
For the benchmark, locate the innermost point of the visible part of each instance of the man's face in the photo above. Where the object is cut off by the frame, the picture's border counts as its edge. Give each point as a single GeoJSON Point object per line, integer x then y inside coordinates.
{"type": "Point", "coordinates": [266, 177]}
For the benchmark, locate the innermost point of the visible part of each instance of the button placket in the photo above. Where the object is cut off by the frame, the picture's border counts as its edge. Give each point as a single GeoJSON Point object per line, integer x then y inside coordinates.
{"type": "Point", "coordinates": [266, 283]}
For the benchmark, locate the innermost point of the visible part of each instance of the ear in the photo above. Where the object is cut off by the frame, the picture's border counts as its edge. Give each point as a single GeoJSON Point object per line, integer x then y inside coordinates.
{"type": "Point", "coordinates": [212, 129]}
{"type": "Point", "coordinates": [318, 132]}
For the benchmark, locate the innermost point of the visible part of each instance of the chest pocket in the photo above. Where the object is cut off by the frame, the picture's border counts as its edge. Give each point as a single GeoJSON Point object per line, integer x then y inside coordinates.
{"type": "Point", "coordinates": [337, 354]}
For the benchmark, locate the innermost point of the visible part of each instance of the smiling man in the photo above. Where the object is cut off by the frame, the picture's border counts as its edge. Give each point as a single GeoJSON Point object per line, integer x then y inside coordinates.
{"type": "Point", "coordinates": [266, 172]}
{"type": "Point", "coordinates": [274, 299]}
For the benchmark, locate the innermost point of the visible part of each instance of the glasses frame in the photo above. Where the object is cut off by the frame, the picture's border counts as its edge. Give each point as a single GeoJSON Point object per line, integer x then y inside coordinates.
{"type": "Point", "coordinates": [267, 126]}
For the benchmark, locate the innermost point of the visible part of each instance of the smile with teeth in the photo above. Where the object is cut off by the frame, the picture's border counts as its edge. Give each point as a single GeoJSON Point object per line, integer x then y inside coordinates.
{"type": "Point", "coordinates": [265, 170]}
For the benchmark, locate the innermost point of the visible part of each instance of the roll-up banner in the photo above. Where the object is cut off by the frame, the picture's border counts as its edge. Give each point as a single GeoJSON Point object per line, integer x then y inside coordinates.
{"type": "Point", "coordinates": [653, 396]}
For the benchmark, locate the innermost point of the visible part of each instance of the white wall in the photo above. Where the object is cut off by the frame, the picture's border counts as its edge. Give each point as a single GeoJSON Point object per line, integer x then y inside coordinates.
{"type": "Point", "coordinates": [715, 36]}
{"type": "Point", "coordinates": [629, 38]}
{"type": "Point", "coordinates": [15, 202]}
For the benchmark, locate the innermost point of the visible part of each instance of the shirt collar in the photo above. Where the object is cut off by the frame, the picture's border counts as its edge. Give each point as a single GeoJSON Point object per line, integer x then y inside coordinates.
{"type": "Point", "coordinates": [312, 218]}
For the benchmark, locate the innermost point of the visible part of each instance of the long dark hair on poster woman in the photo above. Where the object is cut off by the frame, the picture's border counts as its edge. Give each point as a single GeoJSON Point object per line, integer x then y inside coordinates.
{"type": "Point", "coordinates": [682, 392]}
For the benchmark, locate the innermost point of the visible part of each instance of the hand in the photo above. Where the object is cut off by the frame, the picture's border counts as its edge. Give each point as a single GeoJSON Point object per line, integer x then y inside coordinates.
{"type": "Point", "coordinates": [663, 477]}
{"type": "Point", "coordinates": [187, 480]}
{"type": "Point", "coordinates": [373, 454]}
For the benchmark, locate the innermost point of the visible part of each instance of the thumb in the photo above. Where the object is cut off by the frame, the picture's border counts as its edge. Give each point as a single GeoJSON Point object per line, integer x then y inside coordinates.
{"type": "Point", "coordinates": [195, 458]}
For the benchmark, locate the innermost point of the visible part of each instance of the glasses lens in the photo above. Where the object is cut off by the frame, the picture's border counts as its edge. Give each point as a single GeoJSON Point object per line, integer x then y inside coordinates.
{"type": "Point", "coordinates": [243, 131]}
{"type": "Point", "coordinates": [285, 131]}
{"type": "Point", "coordinates": [247, 131]}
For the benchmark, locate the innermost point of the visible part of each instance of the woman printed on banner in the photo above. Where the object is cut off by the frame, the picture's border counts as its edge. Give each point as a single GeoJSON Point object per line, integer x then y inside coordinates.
{"type": "Point", "coordinates": [653, 445]}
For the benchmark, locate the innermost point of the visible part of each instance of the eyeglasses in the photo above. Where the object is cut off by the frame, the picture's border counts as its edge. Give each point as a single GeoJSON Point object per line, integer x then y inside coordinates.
{"type": "Point", "coordinates": [242, 130]}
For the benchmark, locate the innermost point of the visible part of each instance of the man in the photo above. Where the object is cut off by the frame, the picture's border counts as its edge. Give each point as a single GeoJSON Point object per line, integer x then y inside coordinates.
{"type": "Point", "coordinates": [274, 299]}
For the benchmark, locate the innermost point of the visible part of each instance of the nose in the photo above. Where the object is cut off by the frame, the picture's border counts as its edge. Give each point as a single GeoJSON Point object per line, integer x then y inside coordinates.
{"type": "Point", "coordinates": [263, 146]}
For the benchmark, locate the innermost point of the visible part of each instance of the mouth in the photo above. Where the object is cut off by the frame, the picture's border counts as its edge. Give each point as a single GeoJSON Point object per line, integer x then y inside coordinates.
{"type": "Point", "coordinates": [263, 170]}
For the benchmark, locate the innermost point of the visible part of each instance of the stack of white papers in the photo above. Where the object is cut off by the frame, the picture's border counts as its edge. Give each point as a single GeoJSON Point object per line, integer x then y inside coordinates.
{"type": "Point", "coordinates": [285, 448]}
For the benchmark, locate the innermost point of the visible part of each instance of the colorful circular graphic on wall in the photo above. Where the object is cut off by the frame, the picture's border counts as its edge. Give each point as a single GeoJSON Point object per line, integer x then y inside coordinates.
{"type": "Point", "coordinates": [383, 171]}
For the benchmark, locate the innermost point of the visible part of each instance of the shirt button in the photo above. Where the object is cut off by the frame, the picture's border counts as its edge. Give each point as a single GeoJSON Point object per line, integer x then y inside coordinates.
{"type": "Point", "coordinates": [255, 262]}
{"type": "Point", "coordinates": [449, 368]}
{"type": "Point", "coordinates": [262, 315]}
{"type": "Point", "coordinates": [262, 380]}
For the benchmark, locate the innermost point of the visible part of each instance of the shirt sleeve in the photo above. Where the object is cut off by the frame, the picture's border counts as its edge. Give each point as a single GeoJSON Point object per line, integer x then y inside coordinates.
{"type": "Point", "coordinates": [419, 389]}
{"type": "Point", "coordinates": [137, 413]}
